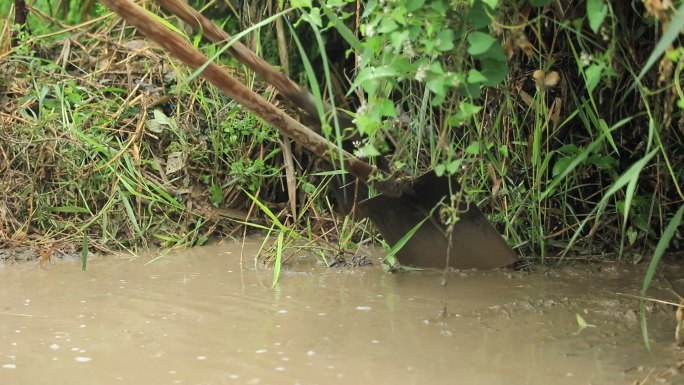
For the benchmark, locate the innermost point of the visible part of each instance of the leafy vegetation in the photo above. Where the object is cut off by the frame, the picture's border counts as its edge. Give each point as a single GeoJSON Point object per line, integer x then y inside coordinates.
{"type": "Point", "coordinates": [562, 119]}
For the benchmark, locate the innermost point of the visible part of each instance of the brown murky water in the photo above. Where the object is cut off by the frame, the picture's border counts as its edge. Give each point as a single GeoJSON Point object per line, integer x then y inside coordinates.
{"type": "Point", "coordinates": [199, 317]}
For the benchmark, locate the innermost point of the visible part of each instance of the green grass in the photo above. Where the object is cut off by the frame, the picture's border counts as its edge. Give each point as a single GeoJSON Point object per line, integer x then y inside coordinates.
{"type": "Point", "coordinates": [586, 167]}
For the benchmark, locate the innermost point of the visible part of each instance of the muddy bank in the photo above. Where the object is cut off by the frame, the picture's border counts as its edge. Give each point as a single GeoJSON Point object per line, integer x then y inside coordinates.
{"type": "Point", "coordinates": [209, 315]}
{"type": "Point", "coordinates": [24, 254]}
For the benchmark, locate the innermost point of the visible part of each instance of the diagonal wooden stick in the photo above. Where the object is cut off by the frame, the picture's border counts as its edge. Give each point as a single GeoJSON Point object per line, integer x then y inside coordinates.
{"type": "Point", "coordinates": [185, 52]}
{"type": "Point", "coordinates": [296, 95]}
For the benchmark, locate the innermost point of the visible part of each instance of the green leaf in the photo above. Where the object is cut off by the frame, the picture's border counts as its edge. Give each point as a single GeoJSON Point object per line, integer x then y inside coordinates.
{"type": "Point", "coordinates": [476, 77]}
{"type": "Point", "coordinates": [437, 85]}
{"type": "Point", "coordinates": [473, 148]}
{"type": "Point", "coordinates": [413, 5]}
{"type": "Point", "coordinates": [436, 68]}
{"type": "Point", "coordinates": [437, 99]}
{"type": "Point", "coordinates": [466, 112]}
{"type": "Point", "coordinates": [397, 38]}
{"type": "Point", "coordinates": [675, 54]}
{"type": "Point", "coordinates": [387, 25]}
{"type": "Point", "coordinates": [503, 149]}
{"type": "Point", "coordinates": [368, 150]}
{"type": "Point", "coordinates": [561, 165]}
{"type": "Point", "coordinates": [216, 193]}
{"type": "Point", "coordinates": [314, 17]}
{"type": "Point", "coordinates": [399, 14]}
{"type": "Point", "coordinates": [453, 166]}
{"type": "Point", "coordinates": [582, 323]}
{"type": "Point", "coordinates": [495, 52]}
{"type": "Point", "coordinates": [370, 73]}
{"type": "Point", "coordinates": [445, 40]}
{"type": "Point", "coordinates": [440, 6]}
{"type": "Point", "coordinates": [470, 90]}
{"type": "Point", "coordinates": [68, 209]}
{"type": "Point", "coordinates": [596, 12]}
{"type": "Point", "coordinates": [568, 149]}
{"type": "Point", "coordinates": [593, 76]}
{"type": "Point", "coordinates": [605, 162]}
{"type": "Point", "coordinates": [386, 108]}
{"type": "Point", "coordinates": [478, 17]}
{"type": "Point", "coordinates": [160, 122]}
{"type": "Point", "coordinates": [367, 125]}
{"type": "Point", "coordinates": [494, 70]}
{"type": "Point", "coordinates": [480, 43]}
{"type": "Point", "coordinates": [469, 109]}
{"type": "Point", "coordinates": [632, 236]}
{"type": "Point", "coordinates": [301, 3]}
{"type": "Point", "coordinates": [201, 241]}
{"type": "Point", "coordinates": [439, 169]}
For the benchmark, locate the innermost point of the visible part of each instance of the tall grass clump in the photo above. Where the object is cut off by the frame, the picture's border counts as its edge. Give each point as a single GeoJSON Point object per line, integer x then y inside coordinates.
{"type": "Point", "coordinates": [103, 136]}
{"type": "Point", "coordinates": [564, 121]}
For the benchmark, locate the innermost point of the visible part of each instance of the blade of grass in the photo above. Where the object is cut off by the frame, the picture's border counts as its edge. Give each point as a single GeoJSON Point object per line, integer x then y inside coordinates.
{"type": "Point", "coordinates": [279, 258]}
{"type": "Point", "coordinates": [631, 177]}
{"type": "Point", "coordinates": [344, 31]}
{"type": "Point", "coordinates": [84, 252]}
{"type": "Point", "coordinates": [232, 41]}
{"type": "Point", "coordinates": [581, 157]}
{"type": "Point", "coordinates": [662, 245]}
{"type": "Point", "coordinates": [130, 213]}
{"type": "Point", "coordinates": [310, 74]}
{"type": "Point", "coordinates": [391, 259]}
{"type": "Point", "coordinates": [676, 25]}
{"type": "Point", "coordinates": [268, 213]}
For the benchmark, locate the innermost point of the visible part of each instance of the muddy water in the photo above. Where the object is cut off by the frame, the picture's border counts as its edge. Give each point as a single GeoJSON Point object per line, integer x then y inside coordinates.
{"type": "Point", "coordinates": [200, 317]}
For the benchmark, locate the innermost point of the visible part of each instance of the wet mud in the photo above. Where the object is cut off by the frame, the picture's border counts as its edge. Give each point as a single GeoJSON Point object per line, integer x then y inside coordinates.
{"type": "Point", "coordinates": [210, 316]}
